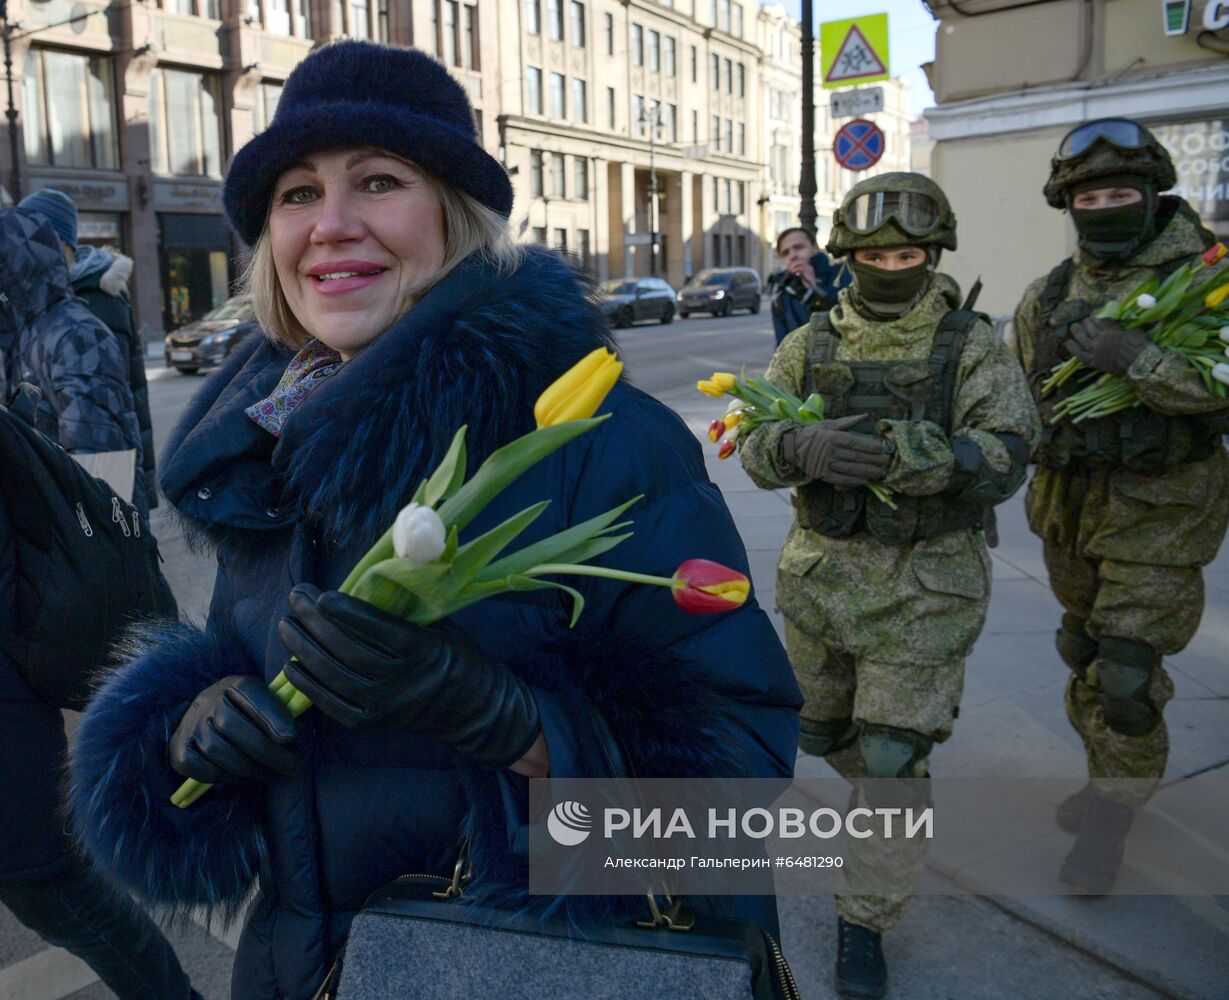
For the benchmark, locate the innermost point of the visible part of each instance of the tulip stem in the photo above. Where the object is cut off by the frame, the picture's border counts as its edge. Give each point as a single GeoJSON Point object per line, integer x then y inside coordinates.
{"type": "Point", "coordinates": [574, 569]}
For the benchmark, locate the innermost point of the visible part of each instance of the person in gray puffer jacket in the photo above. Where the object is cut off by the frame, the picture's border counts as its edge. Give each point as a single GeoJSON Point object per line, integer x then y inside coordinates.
{"type": "Point", "coordinates": [100, 278]}
{"type": "Point", "coordinates": [51, 340]}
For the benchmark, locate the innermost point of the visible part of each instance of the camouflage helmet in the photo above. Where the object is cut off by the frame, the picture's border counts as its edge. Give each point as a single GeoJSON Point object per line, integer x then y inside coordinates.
{"type": "Point", "coordinates": [1107, 147]}
{"type": "Point", "coordinates": [893, 209]}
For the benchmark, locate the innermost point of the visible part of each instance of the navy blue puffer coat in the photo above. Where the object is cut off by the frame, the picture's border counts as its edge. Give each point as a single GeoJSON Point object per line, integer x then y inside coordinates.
{"type": "Point", "coordinates": [685, 695]}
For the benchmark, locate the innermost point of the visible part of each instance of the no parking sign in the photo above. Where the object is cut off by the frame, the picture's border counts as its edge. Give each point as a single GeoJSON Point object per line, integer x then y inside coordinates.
{"type": "Point", "coordinates": [858, 144]}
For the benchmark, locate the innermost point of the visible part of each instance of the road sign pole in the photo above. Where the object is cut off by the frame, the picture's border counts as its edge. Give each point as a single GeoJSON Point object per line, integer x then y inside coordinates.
{"type": "Point", "coordinates": [806, 182]}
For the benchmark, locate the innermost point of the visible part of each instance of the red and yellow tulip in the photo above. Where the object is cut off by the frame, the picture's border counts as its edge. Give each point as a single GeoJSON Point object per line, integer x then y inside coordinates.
{"type": "Point", "coordinates": [702, 587]}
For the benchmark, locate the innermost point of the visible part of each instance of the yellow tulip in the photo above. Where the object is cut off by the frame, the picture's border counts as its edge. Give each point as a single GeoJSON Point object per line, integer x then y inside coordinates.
{"type": "Point", "coordinates": [1216, 296]}
{"type": "Point", "coordinates": [725, 380]}
{"type": "Point", "coordinates": [578, 392]}
{"type": "Point", "coordinates": [733, 419]}
{"type": "Point", "coordinates": [710, 388]}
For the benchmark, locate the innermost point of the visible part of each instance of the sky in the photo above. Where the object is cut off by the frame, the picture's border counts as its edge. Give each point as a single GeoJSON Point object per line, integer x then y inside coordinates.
{"type": "Point", "coordinates": [911, 37]}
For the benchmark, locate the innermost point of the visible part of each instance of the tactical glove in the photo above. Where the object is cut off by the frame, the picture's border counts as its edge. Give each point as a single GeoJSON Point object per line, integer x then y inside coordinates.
{"type": "Point", "coordinates": [1104, 345]}
{"type": "Point", "coordinates": [829, 452]}
{"type": "Point", "coordinates": [235, 730]}
{"type": "Point", "coordinates": [368, 669]}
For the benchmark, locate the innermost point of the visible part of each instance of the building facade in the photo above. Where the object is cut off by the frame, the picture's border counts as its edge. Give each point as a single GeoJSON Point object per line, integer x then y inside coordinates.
{"type": "Point", "coordinates": [643, 136]}
{"type": "Point", "coordinates": [1010, 80]}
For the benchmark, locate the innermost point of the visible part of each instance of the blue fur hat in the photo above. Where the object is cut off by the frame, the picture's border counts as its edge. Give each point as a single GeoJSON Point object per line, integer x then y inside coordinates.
{"type": "Point", "coordinates": [353, 93]}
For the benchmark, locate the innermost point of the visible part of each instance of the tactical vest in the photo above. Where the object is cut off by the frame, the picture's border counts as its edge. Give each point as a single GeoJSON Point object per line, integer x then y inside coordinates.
{"type": "Point", "coordinates": [1139, 439]}
{"type": "Point", "coordinates": [910, 389]}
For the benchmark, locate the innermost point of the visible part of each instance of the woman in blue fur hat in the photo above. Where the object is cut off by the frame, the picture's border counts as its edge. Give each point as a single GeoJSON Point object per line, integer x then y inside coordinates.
{"type": "Point", "coordinates": [397, 308]}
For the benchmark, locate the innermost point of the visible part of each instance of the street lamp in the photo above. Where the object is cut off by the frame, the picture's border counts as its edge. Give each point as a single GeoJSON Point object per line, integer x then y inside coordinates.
{"type": "Point", "coordinates": [654, 122]}
{"type": "Point", "coordinates": [806, 183]}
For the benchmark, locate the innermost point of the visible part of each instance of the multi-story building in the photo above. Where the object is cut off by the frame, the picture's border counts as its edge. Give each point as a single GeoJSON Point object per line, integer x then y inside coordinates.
{"type": "Point", "coordinates": [780, 41]}
{"type": "Point", "coordinates": [644, 136]}
{"type": "Point", "coordinates": [1010, 79]}
{"type": "Point", "coordinates": [600, 99]}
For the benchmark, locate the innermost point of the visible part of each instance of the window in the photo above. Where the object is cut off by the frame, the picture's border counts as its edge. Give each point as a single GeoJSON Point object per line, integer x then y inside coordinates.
{"type": "Point", "coordinates": [360, 19]}
{"type": "Point", "coordinates": [580, 173]}
{"type": "Point", "coordinates": [265, 105]}
{"type": "Point", "coordinates": [742, 197]}
{"type": "Point", "coordinates": [714, 71]}
{"type": "Point", "coordinates": [695, 127]}
{"type": "Point", "coordinates": [558, 99]}
{"type": "Point", "coordinates": [610, 107]}
{"type": "Point", "coordinates": [609, 34]}
{"type": "Point", "coordinates": [654, 52]}
{"type": "Point", "coordinates": [539, 235]}
{"type": "Point", "coordinates": [742, 254]}
{"type": "Point", "coordinates": [533, 85]}
{"type": "Point", "coordinates": [580, 101]}
{"type": "Point", "coordinates": [670, 120]}
{"type": "Point", "coordinates": [554, 19]}
{"type": "Point", "coordinates": [277, 17]}
{"type": "Point", "coordinates": [450, 48]}
{"type": "Point", "coordinates": [736, 29]}
{"type": "Point", "coordinates": [637, 45]}
{"type": "Point", "coordinates": [714, 133]}
{"type": "Point", "coordinates": [561, 239]}
{"type": "Point", "coordinates": [695, 65]}
{"type": "Point", "coordinates": [728, 74]}
{"type": "Point", "coordinates": [582, 246]}
{"type": "Point", "coordinates": [469, 36]}
{"type": "Point", "coordinates": [535, 177]}
{"type": "Point", "coordinates": [716, 247]}
{"type": "Point", "coordinates": [742, 139]}
{"type": "Point", "coordinates": [533, 16]}
{"type": "Point", "coordinates": [381, 19]}
{"type": "Point", "coordinates": [723, 15]}
{"type": "Point", "coordinates": [68, 101]}
{"type": "Point", "coordinates": [716, 195]}
{"type": "Point", "coordinates": [558, 176]}
{"type": "Point", "coordinates": [668, 53]}
{"type": "Point", "coordinates": [184, 126]}
{"type": "Point", "coordinates": [638, 118]}
{"type": "Point", "coordinates": [729, 136]}
{"type": "Point", "coordinates": [576, 13]}
{"type": "Point", "coordinates": [302, 17]}
{"type": "Point", "coordinates": [742, 80]}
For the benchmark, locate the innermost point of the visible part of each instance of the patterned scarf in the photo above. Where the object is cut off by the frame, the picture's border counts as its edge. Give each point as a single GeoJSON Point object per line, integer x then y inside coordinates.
{"type": "Point", "coordinates": [307, 369]}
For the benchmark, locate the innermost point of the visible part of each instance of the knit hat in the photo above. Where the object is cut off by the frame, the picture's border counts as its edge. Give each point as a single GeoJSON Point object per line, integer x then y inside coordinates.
{"type": "Point", "coordinates": [354, 93]}
{"type": "Point", "coordinates": [58, 209]}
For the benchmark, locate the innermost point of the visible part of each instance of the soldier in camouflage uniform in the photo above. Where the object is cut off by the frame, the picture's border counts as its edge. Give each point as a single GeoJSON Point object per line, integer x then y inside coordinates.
{"type": "Point", "coordinates": [882, 606]}
{"type": "Point", "coordinates": [1131, 506]}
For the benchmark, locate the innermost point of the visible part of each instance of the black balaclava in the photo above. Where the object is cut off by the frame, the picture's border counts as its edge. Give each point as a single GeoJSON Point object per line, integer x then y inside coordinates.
{"type": "Point", "coordinates": [892, 293]}
{"type": "Point", "coordinates": [1115, 233]}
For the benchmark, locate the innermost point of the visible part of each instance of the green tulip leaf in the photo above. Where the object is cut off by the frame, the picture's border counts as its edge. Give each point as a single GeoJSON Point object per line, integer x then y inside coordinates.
{"type": "Point", "coordinates": [449, 474]}
{"type": "Point", "coordinates": [536, 583]}
{"type": "Point", "coordinates": [473, 556]}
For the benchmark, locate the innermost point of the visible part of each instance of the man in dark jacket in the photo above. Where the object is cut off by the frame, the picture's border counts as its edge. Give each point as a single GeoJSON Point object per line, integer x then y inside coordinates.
{"type": "Point", "coordinates": [51, 341]}
{"type": "Point", "coordinates": [808, 283]}
{"type": "Point", "coordinates": [100, 279]}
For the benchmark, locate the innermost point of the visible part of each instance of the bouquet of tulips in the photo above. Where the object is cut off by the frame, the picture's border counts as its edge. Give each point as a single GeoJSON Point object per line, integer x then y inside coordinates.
{"type": "Point", "coordinates": [757, 401]}
{"type": "Point", "coordinates": [421, 571]}
{"type": "Point", "coordinates": [1182, 314]}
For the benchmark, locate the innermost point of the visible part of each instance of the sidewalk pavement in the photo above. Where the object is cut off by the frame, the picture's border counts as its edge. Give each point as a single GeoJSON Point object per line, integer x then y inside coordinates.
{"type": "Point", "coordinates": [1012, 723]}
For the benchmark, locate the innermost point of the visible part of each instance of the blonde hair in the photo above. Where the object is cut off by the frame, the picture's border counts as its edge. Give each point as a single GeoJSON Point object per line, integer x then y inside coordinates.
{"type": "Point", "coordinates": [469, 227]}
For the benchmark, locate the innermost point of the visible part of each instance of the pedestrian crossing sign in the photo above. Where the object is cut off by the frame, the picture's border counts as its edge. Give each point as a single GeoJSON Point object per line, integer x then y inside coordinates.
{"type": "Point", "coordinates": [854, 50]}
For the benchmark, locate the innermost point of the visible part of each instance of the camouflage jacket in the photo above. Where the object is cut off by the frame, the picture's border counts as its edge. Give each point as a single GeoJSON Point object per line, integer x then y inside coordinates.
{"type": "Point", "coordinates": [924, 601]}
{"type": "Point", "coordinates": [49, 339]}
{"type": "Point", "coordinates": [1176, 518]}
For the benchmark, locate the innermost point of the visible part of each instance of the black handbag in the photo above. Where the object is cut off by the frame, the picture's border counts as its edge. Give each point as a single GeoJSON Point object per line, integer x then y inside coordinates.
{"type": "Point", "coordinates": [416, 937]}
{"type": "Point", "coordinates": [86, 561]}
{"type": "Point", "coordinates": [413, 938]}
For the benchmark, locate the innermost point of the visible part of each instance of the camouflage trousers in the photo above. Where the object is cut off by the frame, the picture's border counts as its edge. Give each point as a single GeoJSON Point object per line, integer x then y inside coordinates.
{"type": "Point", "coordinates": [1157, 605]}
{"type": "Point", "coordinates": [838, 685]}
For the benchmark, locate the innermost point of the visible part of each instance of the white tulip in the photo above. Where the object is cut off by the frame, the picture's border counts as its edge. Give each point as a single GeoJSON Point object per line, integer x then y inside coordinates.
{"type": "Point", "coordinates": [1223, 333]}
{"type": "Point", "coordinates": [1220, 372]}
{"type": "Point", "coordinates": [1146, 301]}
{"type": "Point", "coordinates": [418, 534]}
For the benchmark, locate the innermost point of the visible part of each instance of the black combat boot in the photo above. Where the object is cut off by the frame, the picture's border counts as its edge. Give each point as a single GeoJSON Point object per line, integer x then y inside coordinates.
{"type": "Point", "coordinates": [1070, 812]}
{"type": "Point", "coordinates": [1096, 856]}
{"type": "Point", "coordinates": [861, 973]}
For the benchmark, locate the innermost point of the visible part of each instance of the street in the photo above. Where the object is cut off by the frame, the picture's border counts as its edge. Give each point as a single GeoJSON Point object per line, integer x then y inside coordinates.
{"type": "Point", "coordinates": [958, 945]}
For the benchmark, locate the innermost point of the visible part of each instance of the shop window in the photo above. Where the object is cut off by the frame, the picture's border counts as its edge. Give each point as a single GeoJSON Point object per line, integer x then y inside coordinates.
{"type": "Point", "coordinates": [196, 253]}
{"type": "Point", "coordinates": [68, 101]}
{"type": "Point", "coordinates": [184, 125]}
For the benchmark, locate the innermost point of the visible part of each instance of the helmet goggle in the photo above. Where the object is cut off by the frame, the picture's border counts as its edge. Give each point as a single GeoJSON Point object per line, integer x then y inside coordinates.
{"type": "Point", "coordinates": [917, 214]}
{"type": "Point", "coordinates": [1120, 132]}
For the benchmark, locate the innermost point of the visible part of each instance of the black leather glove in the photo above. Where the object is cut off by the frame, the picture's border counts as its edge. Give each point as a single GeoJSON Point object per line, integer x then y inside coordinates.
{"type": "Point", "coordinates": [235, 730]}
{"type": "Point", "coordinates": [368, 669]}
{"type": "Point", "coordinates": [1104, 345]}
{"type": "Point", "coordinates": [830, 452]}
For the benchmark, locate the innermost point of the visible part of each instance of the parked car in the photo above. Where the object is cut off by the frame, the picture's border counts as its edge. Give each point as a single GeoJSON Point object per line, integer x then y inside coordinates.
{"type": "Point", "coordinates": [205, 342]}
{"type": "Point", "coordinates": [721, 290]}
{"type": "Point", "coordinates": [629, 300]}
